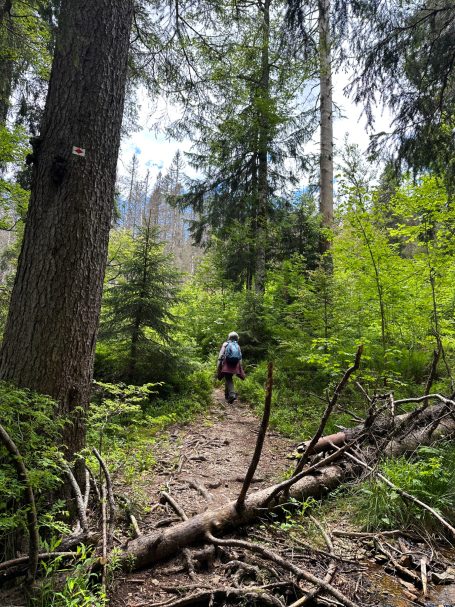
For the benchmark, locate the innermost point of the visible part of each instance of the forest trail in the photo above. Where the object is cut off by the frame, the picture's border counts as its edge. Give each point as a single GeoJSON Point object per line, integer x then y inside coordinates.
{"type": "Point", "coordinates": [202, 465]}
{"type": "Point", "coordinates": [214, 452]}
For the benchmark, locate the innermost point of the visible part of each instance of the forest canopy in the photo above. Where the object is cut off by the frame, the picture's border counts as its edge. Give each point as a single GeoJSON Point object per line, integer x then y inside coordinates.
{"type": "Point", "coordinates": [119, 281]}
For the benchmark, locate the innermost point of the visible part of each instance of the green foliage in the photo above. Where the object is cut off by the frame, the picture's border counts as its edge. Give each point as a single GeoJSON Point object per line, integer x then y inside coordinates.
{"type": "Point", "coordinates": [124, 421]}
{"type": "Point", "coordinates": [137, 320]}
{"type": "Point", "coordinates": [390, 288]}
{"type": "Point", "coordinates": [66, 583]}
{"type": "Point", "coordinates": [430, 477]}
{"type": "Point", "coordinates": [209, 308]}
{"type": "Point", "coordinates": [30, 420]}
{"type": "Point", "coordinates": [13, 198]}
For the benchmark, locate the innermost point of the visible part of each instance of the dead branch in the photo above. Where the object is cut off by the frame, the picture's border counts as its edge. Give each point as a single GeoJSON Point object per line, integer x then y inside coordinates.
{"type": "Point", "coordinates": [424, 575]}
{"type": "Point", "coordinates": [87, 489]}
{"type": "Point", "coordinates": [240, 504]}
{"type": "Point", "coordinates": [32, 521]}
{"type": "Point", "coordinates": [94, 483]}
{"type": "Point", "coordinates": [164, 522]}
{"type": "Point", "coordinates": [134, 525]}
{"type": "Point", "coordinates": [399, 568]}
{"type": "Point", "coordinates": [330, 571]}
{"type": "Point", "coordinates": [331, 405]}
{"type": "Point", "coordinates": [250, 595]}
{"type": "Point", "coordinates": [43, 556]}
{"type": "Point", "coordinates": [80, 504]}
{"type": "Point", "coordinates": [175, 507]}
{"type": "Point", "coordinates": [404, 494]}
{"type": "Point", "coordinates": [285, 564]}
{"type": "Point", "coordinates": [367, 534]}
{"type": "Point", "coordinates": [201, 489]}
{"type": "Point", "coordinates": [419, 399]}
{"type": "Point", "coordinates": [104, 536]}
{"type": "Point", "coordinates": [433, 371]}
{"type": "Point", "coordinates": [110, 493]}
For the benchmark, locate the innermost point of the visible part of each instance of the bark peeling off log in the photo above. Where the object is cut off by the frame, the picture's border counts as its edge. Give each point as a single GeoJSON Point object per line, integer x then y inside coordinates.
{"type": "Point", "coordinates": [422, 436]}
{"type": "Point", "coordinates": [158, 546]}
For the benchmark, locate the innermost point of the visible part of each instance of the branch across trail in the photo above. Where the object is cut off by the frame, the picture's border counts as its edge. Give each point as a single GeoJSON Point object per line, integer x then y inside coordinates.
{"type": "Point", "coordinates": [162, 544]}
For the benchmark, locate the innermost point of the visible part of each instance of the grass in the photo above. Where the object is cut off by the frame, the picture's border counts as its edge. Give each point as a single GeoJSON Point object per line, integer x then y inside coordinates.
{"type": "Point", "coordinates": [429, 476]}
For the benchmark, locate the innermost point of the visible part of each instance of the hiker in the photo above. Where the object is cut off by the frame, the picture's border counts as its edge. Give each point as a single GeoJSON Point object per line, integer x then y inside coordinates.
{"type": "Point", "coordinates": [230, 364]}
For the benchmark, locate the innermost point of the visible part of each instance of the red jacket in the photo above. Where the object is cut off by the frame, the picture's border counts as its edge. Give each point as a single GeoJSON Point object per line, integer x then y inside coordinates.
{"type": "Point", "coordinates": [225, 368]}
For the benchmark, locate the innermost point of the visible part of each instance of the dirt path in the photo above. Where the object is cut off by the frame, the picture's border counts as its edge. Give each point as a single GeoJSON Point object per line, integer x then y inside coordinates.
{"type": "Point", "coordinates": [209, 457]}
{"type": "Point", "coordinates": [214, 452]}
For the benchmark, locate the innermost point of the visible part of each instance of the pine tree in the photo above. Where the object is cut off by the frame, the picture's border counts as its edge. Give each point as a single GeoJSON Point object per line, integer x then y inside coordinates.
{"type": "Point", "coordinates": [138, 306]}
{"type": "Point", "coordinates": [249, 138]}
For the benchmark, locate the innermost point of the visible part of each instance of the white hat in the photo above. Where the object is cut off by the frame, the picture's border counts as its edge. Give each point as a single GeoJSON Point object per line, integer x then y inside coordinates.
{"type": "Point", "coordinates": [233, 335]}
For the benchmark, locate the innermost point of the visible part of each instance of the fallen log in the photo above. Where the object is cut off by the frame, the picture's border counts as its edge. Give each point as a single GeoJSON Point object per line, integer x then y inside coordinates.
{"type": "Point", "coordinates": [163, 544]}
{"type": "Point", "coordinates": [157, 546]}
{"type": "Point", "coordinates": [385, 426]}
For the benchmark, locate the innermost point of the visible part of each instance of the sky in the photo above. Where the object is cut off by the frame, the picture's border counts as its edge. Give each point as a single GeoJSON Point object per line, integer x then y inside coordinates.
{"type": "Point", "coordinates": [155, 151]}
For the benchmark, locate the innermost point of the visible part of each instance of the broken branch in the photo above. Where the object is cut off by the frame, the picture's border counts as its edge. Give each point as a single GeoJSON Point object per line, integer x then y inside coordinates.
{"type": "Point", "coordinates": [32, 520]}
{"type": "Point", "coordinates": [240, 504]}
{"type": "Point", "coordinates": [285, 564]}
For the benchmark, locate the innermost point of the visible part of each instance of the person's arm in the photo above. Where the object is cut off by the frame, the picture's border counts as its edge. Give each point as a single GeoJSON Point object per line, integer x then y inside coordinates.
{"type": "Point", "coordinates": [221, 354]}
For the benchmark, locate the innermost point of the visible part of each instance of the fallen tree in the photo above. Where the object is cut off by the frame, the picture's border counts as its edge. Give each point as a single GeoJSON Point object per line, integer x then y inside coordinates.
{"type": "Point", "coordinates": [325, 463]}
{"type": "Point", "coordinates": [148, 549]}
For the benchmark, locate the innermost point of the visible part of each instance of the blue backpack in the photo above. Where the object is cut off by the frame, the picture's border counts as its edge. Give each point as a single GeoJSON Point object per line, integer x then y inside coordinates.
{"type": "Point", "coordinates": [232, 352]}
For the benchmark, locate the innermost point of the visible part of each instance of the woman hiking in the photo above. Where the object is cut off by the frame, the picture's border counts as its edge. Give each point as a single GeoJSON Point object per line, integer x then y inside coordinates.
{"type": "Point", "coordinates": [230, 364]}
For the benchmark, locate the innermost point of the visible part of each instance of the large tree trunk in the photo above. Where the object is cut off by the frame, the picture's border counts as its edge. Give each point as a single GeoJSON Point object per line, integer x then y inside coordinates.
{"type": "Point", "coordinates": [326, 133]}
{"type": "Point", "coordinates": [51, 329]}
{"type": "Point", "coordinates": [264, 141]}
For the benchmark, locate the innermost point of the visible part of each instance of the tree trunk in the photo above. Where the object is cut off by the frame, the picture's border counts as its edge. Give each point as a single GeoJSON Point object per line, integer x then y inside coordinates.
{"type": "Point", "coordinates": [263, 94]}
{"type": "Point", "coordinates": [326, 133]}
{"type": "Point", "coordinates": [51, 329]}
{"type": "Point", "coordinates": [160, 545]}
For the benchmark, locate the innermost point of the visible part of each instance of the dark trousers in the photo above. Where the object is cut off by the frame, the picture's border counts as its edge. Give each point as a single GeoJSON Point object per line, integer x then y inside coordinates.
{"type": "Point", "coordinates": [229, 386]}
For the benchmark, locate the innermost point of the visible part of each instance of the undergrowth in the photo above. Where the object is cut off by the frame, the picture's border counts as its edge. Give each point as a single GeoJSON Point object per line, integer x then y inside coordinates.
{"type": "Point", "coordinates": [429, 476]}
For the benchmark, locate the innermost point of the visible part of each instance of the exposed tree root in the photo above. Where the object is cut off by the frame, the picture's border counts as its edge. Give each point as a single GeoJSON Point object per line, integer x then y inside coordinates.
{"type": "Point", "coordinates": [285, 564]}
{"type": "Point", "coordinates": [253, 596]}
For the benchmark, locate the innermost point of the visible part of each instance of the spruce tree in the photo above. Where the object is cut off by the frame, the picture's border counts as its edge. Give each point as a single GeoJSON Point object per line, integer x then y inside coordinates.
{"type": "Point", "coordinates": [138, 316]}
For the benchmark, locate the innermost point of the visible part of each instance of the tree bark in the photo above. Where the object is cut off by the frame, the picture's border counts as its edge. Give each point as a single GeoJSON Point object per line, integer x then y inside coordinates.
{"type": "Point", "coordinates": [160, 545]}
{"type": "Point", "coordinates": [263, 94]}
{"type": "Point", "coordinates": [326, 133]}
{"type": "Point", "coordinates": [50, 334]}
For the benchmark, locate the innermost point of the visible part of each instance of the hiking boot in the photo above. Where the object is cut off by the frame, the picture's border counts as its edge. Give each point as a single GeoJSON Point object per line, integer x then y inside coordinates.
{"type": "Point", "coordinates": [231, 398]}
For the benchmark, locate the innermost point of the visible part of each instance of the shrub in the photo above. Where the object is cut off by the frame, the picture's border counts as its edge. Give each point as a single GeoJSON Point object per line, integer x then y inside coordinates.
{"type": "Point", "coordinates": [430, 477]}
{"type": "Point", "coordinates": [30, 420]}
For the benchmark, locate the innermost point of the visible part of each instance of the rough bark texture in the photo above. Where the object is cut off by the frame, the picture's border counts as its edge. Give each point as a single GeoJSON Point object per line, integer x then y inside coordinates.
{"type": "Point", "coordinates": [160, 545]}
{"type": "Point", "coordinates": [264, 141]}
{"type": "Point", "coordinates": [326, 153]}
{"type": "Point", "coordinates": [51, 328]}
